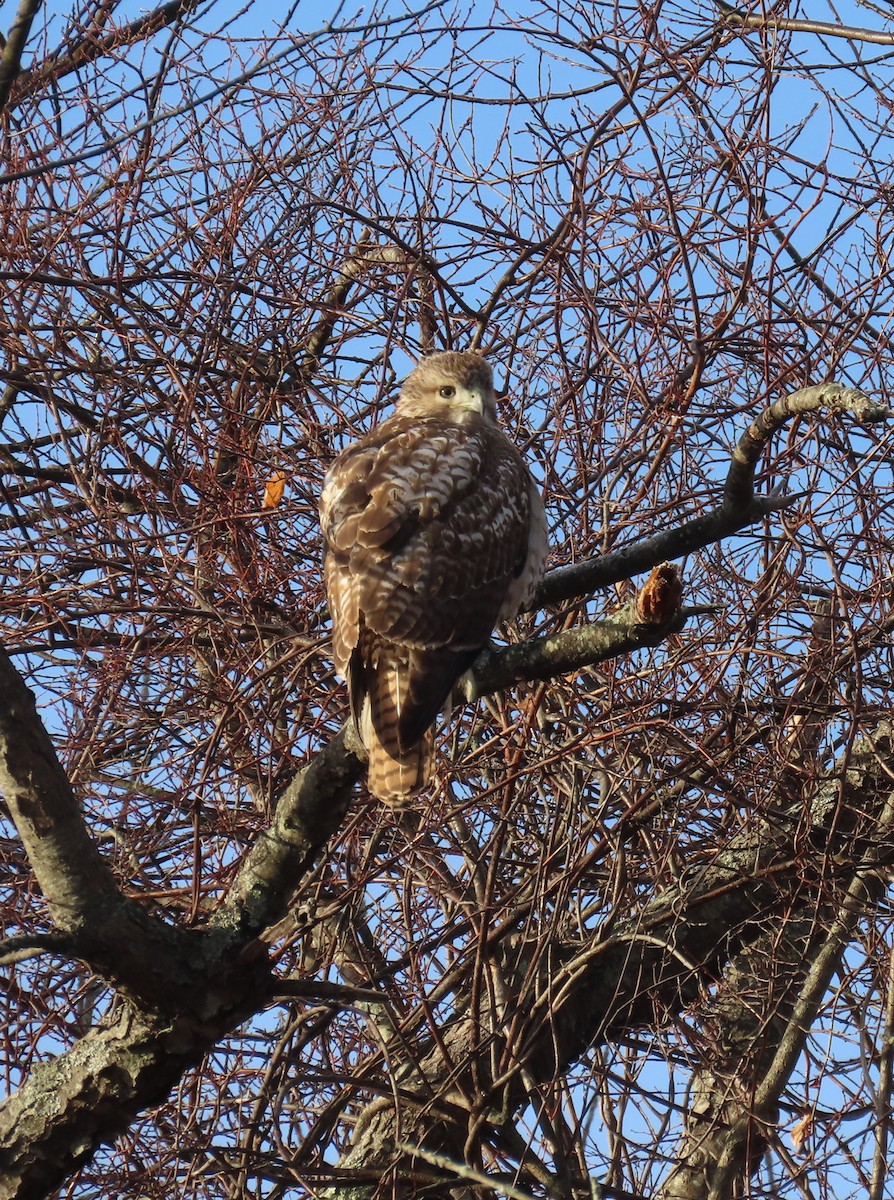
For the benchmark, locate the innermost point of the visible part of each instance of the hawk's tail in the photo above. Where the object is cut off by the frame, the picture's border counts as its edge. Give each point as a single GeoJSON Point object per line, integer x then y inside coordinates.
{"type": "Point", "coordinates": [396, 695]}
{"type": "Point", "coordinates": [397, 771]}
{"type": "Point", "coordinates": [395, 779]}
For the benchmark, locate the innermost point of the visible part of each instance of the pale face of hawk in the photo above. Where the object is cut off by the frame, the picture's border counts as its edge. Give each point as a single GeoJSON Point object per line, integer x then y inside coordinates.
{"type": "Point", "coordinates": [434, 531]}
{"type": "Point", "coordinates": [454, 386]}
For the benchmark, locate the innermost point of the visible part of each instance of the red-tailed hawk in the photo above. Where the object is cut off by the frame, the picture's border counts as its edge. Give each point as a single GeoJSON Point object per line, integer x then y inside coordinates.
{"type": "Point", "coordinates": [434, 531]}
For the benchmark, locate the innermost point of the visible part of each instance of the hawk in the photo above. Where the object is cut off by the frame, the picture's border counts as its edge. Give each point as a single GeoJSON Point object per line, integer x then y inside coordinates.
{"type": "Point", "coordinates": [433, 532]}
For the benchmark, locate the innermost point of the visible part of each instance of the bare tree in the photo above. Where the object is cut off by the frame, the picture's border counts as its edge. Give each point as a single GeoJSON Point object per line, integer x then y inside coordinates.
{"type": "Point", "coordinates": [636, 941]}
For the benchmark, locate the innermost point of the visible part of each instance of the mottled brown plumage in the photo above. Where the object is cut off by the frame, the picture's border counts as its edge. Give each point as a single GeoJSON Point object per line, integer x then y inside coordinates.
{"type": "Point", "coordinates": [433, 532]}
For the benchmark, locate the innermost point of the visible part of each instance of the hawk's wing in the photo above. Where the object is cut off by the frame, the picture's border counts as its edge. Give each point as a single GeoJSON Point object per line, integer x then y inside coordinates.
{"type": "Point", "coordinates": [427, 524]}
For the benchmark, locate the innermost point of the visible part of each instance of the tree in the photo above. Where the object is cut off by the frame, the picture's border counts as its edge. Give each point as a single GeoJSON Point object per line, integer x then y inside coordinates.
{"type": "Point", "coordinates": [637, 938]}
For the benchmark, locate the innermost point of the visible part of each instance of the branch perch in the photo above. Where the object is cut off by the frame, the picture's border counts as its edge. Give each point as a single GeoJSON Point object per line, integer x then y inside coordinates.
{"type": "Point", "coordinates": [313, 805]}
{"type": "Point", "coordinates": [651, 616]}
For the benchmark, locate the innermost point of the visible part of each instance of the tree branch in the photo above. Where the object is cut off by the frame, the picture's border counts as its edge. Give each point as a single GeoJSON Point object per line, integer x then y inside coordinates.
{"type": "Point", "coordinates": [738, 491]}
{"type": "Point", "coordinates": [574, 649]}
{"type": "Point", "coordinates": [658, 960]}
{"type": "Point", "coordinates": [797, 25]}
{"type": "Point", "coordinates": [114, 934]}
{"type": "Point", "coordinates": [20, 949]}
{"type": "Point", "coordinates": [11, 58]}
{"type": "Point", "coordinates": [90, 1094]}
{"type": "Point", "coordinates": [91, 47]}
{"type": "Point", "coordinates": [738, 509]}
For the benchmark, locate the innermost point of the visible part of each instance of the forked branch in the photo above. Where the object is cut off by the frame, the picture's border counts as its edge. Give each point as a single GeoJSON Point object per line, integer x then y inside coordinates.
{"type": "Point", "coordinates": [739, 507]}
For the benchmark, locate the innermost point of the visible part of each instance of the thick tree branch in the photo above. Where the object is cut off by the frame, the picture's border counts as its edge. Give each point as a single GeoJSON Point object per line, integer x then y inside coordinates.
{"type": "Point", "coordinates": [727, 1131]}
{"type": "Point", "coordinates": [74, 878]}
{"type": "Point", "coordinates": [90, 1094]}
{"type": "Point", "coordinates": [738, 492]}
{"type": "Point", "coordinates": [11, 57]}
{"type": "Point", "coordinates": [308, 813]}
{"type": "Point", "coordinates": [574, 649]}
{"type": "Point", "coordinates": [114, 934]}
{"type": "Point", "coordinates": [20, 949]}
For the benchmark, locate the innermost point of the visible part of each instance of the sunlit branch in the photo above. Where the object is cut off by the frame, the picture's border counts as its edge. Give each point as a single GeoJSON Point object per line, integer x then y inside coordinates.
{"type": "Point", "coordinates": [799, 25]}
{"type": "Point", "coordinates": [622, 632]}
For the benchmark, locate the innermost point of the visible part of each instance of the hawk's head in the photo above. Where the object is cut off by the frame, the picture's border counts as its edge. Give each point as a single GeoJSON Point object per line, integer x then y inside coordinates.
{"type": "Point", "coordinates": [451, 385]}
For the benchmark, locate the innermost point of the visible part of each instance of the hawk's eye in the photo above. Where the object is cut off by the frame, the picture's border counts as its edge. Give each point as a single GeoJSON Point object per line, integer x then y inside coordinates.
{"type": "Point", "coordinates": [448, 391]}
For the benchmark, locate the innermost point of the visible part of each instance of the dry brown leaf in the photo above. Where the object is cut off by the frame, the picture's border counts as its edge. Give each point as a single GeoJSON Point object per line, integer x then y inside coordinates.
{"type": "Point", "coordinates": [801, 1131]}
{"type": "Point", "coordinates": [273, 490]}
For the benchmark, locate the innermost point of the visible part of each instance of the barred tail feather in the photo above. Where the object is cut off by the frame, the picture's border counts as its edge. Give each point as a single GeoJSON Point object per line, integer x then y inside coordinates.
{"type": "Point", "coordinates": [394, 779]}
{"type": "Point", "coordinates": [396, 695]}
{"type": "Point", "coordinates": [399, 766]}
